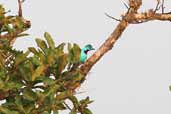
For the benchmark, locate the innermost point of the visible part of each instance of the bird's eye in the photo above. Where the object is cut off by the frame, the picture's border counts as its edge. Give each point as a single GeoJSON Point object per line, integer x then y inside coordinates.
{"type": "Point", "coordinates": [86, 51]}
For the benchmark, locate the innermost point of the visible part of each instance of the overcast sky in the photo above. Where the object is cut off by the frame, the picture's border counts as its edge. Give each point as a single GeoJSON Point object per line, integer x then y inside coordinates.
{"type": "Point", "coordinates": [134, 77]}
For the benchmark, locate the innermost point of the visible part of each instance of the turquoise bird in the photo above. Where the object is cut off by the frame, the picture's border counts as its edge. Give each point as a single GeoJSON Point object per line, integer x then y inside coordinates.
{"type": "Point", "coordinates": [83, 56]}
{"type": "Point", "coordinates": [84, 51]}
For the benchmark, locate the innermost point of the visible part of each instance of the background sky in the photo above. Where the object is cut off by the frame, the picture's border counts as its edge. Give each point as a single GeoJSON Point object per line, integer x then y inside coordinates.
{"type": "Point", "coordinates": [134, 77]}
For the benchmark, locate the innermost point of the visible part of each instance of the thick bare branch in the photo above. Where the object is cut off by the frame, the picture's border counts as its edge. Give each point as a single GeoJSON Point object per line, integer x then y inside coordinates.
{"type": "Point", "coordinates": [108, 44]}
{"type": "Point", "coordinates": [151, 16]}
{"type": "Point", "coordinates": [131, 17]}
{"type": "Point", "coordinates": [135, 4]}
{"type": "Point", "coordinates": [105, 47]}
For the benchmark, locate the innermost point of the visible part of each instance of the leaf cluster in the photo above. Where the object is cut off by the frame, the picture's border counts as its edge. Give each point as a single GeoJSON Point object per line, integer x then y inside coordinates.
{"type": "Point", "coordinates": [39, 80]}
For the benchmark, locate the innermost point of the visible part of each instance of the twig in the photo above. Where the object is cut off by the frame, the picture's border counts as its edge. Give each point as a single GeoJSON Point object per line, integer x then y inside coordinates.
{"type": "Point", "coordinates": [80, 92]}
{"type": "Point", "coordinates": [67, 106]}
{"type": "Point", "coordinates": [125, 5]}
{"type": "Point", "coordinates": [162, 5]}
{"type": "Point", "coordinates": [7, 11]}
{"type": "Point", "coordinates": [157, 6]}
{"type": "Point", "coordinates": [112, 17]}
{"type": "Point", "coordinates": [20, 13]}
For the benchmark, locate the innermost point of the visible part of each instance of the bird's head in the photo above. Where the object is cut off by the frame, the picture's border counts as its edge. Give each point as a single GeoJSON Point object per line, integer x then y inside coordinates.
{"type": "Point", "coordinates": [87, 48]}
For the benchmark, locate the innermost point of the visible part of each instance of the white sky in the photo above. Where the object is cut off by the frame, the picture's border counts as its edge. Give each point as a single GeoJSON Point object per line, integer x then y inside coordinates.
{"type": "Point", "coordinates": [134, 77]}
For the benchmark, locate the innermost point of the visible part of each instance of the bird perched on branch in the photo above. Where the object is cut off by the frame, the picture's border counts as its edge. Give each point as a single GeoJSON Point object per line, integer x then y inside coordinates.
{"type": "Point", "coordinates": [84, 51]}
{"type": "Point", "coordinates": [83, 56]}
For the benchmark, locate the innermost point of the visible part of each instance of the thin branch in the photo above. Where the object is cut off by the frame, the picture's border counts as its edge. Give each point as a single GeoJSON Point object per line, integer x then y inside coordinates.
{"type": "Point", "coordinates": [157, 6]}
{"type": "Point", "coordinates": [126, 5]}
{"type": "Point", "coordinates": [112, 17]}
{"type": "Point", "coordinates": [20, 13]}
{"type": "Point", "coordinates": [162, 5]}
{"type": "Point", "coordinates": [67, 106]}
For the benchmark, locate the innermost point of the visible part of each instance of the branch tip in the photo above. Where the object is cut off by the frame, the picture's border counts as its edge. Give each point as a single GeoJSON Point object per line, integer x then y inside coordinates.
{"type": "Point", "coordinates": [162, 5]}
{"type": "Point", "coordinates": [126, 5]}
{"type": "Point", "coordinates": [112, 17]}
{"type": "Point", "coordinates": [20, 13]}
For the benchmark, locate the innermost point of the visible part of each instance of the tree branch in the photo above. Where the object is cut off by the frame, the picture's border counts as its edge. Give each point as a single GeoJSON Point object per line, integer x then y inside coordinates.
{"type": "Point", "coordinates": [106, 46]}
{"type": "Point", "coordinates": [111, 40]}
{"type": "Point", "coordinates": [157, 6]}
{"type": "Point", "coordinates": [112, 17]}
{"type": "Point", "coordinates": [20, 13]}
{"type": "Point", "coordinates": [162, 5]}
{"type": "Point", "coordinates": [131, 17]}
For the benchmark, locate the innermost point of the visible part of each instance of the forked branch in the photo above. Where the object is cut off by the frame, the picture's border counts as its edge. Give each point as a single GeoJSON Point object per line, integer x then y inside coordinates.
{"type": "Point", "coordinates": [132, 16]}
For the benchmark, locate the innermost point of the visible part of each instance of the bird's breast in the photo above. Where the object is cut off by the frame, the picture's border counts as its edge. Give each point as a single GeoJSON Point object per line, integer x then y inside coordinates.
{"type": "Point", "coordinates": [83, 57]}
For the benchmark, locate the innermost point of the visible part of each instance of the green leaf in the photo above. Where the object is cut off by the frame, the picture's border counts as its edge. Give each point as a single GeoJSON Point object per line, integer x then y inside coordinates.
{"type": "Point", "coordinates": [87, 111]}
{"type": "Point", "coordinates": [64, 95]}
{"type": "Point", "coordinates": [74, 101]}
{"type": "Point", "coordinates": [2, 73]}
{"type": "Point", "coordinates": [60, 105]}
{"type": "Point", "coordinates": [86, 101]}
{"type": "Point", "coordinates": [21, 58]}
{"type": "Point", "coordinates": [33, 50]}
{"type": "Point", "coordinates": [77, 52]}
{"type": "Point", "coordinates": [42, 57]}
{"type": "Point", "coordinates": [49, 40]}
{"type": "Point", "coordinates": [74, 54]}
{"type": "Point", "coordinates": [12, 85]}
{"type": "Point", "coordinates": [50, 57]}
{"type": "Point", "coordinates": [170, 87]}
{"type": "Point", "coordinates": [5, 110]}
{"type": "Point", "coordinates": [45, 112]}
{"type": "Point", "coordinates": [41, 44]}
{"type": "Point", "coordinates": [69, 47]}
{"type": "Point", "coordinates": [35, 61]}
{"type": "Point", "coordinates": [60, 47]}
{"type": "Point", "coordinates": [46, 80]}
{"type": "Point", "coordinates": [19, 104]}
{"type": "Point", "coordinates": [72, 112]}
{"type": "Point", "coordinates": [19, 22]}
{"type": "Point", "coordinates": [23, 34]}
{"type": "Point", "coordinates": [2, 85]}
{"type": "Point", "coordinates": [51, 90]}
{"type": "Point", "coordinates": [38, 72]}
{"type": "Point", "coordinates": [9, 29]}
{"type": "Point", "coordinates": [55, 112]}
{"type": "Point", "coordinates": [61, 63]}
{"type": "Point", "coordinates": [29, 108]}
{"type": "Point", "coordinates": [29, 94]}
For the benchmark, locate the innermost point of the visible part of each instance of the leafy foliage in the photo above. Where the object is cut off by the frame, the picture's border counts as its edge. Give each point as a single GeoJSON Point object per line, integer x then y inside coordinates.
{"type": "Point", "coordinates": [11, 24]}
{"type": "Point", "coordinates": [38, 81]}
